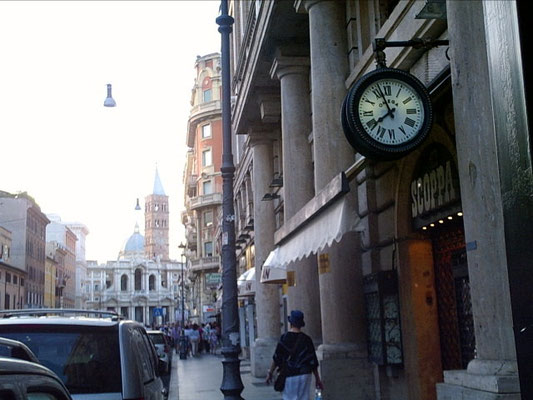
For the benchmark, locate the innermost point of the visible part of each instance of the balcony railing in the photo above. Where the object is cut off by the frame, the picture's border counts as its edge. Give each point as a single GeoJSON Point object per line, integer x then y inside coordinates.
{"type": "Point", "coordinates": [203, 263]}
{"type": "Point", "coordinates": [203, 108]}
{"type": "Point", "coordinates": [205, 200]}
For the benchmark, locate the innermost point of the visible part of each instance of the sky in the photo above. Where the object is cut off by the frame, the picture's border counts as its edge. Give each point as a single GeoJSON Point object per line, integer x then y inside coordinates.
{"type": "Point", "coordinates": [81, 160]}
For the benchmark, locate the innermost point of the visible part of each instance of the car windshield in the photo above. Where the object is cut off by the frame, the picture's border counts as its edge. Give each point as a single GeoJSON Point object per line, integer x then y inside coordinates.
{"type": "Point", "coordinates": [86, 358]}
{"type": "Point", "coordinates": [157, 338]}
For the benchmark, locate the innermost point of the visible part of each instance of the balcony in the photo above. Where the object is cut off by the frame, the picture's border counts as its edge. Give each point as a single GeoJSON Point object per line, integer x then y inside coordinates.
{"type": "Point", "coordinates": [205, 200]}
{"type": "Point", "coordinates": [205, 108]}
{"type": "Point", "coordinates": [204, 263]}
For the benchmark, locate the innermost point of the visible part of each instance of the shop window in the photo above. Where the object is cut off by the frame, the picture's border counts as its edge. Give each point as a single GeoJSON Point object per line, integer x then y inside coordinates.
{"type": "Point", "coordinates": [383, 318]}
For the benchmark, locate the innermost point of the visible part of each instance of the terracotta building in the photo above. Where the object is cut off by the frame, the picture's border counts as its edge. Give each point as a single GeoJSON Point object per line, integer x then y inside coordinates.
{"type": "Point", "coordinates": [203, 187]}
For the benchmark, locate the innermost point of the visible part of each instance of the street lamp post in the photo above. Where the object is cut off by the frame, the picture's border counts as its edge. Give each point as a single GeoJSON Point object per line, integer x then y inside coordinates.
{"type": "Point", "coordinates": [183, 338]}
{"type": "Point", "coordinates": [231, 382]}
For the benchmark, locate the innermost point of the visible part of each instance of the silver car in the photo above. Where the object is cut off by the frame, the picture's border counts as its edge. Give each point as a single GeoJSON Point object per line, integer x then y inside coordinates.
{"type": "Point", "coordinates": [24, 380]}
{"type": "Point", "coordinates": [96, 354]}
{"type": "Point", "coordinates": [164, 350]}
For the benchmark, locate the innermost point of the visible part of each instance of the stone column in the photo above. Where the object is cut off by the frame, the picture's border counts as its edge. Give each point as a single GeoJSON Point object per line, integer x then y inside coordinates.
{"type": "Point", "coordinates": [343, 355]}
{"type": "Point", "coordinates": [298, 187]}
{"type": "Point", "coordinates": [493, 373]}
{"type": "Point", "coordinates": [329, 70]}
{"type": "Point", "coordinates": [266, 296]}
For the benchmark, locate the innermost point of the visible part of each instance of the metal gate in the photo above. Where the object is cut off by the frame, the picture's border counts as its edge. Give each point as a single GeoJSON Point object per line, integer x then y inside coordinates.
{"type": "Point", "coordinates": [456, 322]}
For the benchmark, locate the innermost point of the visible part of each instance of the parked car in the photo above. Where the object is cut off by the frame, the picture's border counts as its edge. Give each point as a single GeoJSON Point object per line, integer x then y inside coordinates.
{"type": "Point", "coordinates": [96, 354]}
{"type": "Point", "coordinates": [24, 380]}
{"type": "Point", "coordinates": [163, 347]}
{"type": "Point", "coordinates": [15, 349]}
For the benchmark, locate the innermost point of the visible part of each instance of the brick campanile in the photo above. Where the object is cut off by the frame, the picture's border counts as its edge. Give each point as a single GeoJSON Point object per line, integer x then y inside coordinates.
{"type": "Point", "coordinates": [156, 220]}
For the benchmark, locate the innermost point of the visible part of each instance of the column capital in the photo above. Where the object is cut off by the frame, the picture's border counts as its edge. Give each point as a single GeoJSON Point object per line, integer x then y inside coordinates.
{"type": "Point", "coordinates": [284, 65]}
{"type": "Point", "coordinates": [303, 6]}
{"type": "Point", "coordinates": [262, 134]}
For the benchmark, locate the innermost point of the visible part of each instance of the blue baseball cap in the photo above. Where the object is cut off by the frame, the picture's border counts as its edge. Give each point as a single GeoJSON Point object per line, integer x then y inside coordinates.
{"type": "Point", "coordinates": [296, 318]}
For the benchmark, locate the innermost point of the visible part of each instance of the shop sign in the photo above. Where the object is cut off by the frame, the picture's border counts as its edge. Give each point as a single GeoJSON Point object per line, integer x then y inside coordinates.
{"type": "Point", "coordinates": [213, 279]}
{"type": "Point", "coordinates": [433, 190]}
{"type": "Point", "coordinates": [208, 308]}
{"type": "Point", "coordinates": [323, 263]}
{"type": "Point", "coordinates": [435, 183]}
{"type": "Point", "coordinates": [291, 279]}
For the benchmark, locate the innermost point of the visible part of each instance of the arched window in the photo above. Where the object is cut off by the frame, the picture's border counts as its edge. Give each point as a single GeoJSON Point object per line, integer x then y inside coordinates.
{"type": "Point", "coordinates": [138, 279]}
{"type": "Point", "coordinates": [124, 283]}
{"type": "Point", "coordinates": [151, 282]}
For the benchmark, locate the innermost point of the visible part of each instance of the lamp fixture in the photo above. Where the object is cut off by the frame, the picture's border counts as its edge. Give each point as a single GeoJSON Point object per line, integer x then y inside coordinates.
{"type": "Point", "coordinates": [109, 101]}
{"type": "Point", "coordinates": [277, 181]}
{"type": "Point", "coordinates": [270, 196]}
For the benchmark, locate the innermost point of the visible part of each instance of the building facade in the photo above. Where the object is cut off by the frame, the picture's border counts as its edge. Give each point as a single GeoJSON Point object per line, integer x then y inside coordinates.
{"type": "Point", "coordinates": [50, 271]}
{"type": "Point", "coordinates": [81, 231]}
{"type": "Point", "coordinates": [203, 187]}
{"type": "Point", "coordinates": [20, 214]}
{"type": "Point", "coordinates": [11, 279]}
{"type": "Point", "coordinates": [408, 271]}
{"type": "Point", "coordinates": [62, 242]}
{"type": "Point", "coordinates": [142, 284]}
{"type": "Point", "coordinates": [135, 288]}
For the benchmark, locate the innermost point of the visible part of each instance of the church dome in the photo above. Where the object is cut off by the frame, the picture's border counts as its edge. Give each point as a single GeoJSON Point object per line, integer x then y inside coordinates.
{"type": "Point", "coordinates": [134, 247]}
{"type": "Point", "coordinates": [135, 243]}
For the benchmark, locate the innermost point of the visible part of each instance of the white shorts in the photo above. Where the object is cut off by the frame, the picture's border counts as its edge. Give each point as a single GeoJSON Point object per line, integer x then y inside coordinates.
{"type": "Point", "coordinates": [297, 387]}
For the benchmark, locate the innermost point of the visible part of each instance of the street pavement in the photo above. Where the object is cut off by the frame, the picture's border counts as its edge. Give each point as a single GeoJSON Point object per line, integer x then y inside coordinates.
{"type": "Point", "coordinates": [199, 378]}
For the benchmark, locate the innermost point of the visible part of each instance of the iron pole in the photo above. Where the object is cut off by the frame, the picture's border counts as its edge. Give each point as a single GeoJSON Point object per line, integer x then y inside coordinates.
{"type": "Point", "coordinates": [231, 381]}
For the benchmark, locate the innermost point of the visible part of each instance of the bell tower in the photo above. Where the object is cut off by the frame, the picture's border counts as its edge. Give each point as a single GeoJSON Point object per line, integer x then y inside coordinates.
{"type": "Point", "coordinates": [156, 222]}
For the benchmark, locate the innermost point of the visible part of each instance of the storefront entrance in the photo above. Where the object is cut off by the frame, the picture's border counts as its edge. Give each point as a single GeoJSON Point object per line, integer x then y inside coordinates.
{"type": "Point", "coordinates": [452, 285]}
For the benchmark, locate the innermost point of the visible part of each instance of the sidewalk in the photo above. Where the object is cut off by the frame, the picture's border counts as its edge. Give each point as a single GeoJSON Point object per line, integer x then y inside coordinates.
{"type": "Point", "coordinates": [199, 378]}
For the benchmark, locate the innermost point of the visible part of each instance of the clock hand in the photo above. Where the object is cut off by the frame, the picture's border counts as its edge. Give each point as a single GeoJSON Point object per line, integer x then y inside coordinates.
{"type": "Point", "coordinates": [391, 112]}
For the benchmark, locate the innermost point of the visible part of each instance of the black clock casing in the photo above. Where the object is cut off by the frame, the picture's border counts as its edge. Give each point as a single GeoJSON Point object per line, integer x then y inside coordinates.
{"type": "Point", "coordinates": [387, 114]}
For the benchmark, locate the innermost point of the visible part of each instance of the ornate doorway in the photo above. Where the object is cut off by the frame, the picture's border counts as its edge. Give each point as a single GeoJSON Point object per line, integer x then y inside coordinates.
{"type": "Point", "coordinates": [456, 322]}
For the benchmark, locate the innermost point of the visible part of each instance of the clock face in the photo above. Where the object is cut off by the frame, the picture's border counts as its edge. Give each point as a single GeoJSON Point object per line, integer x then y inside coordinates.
{"type": "Point", "coordinates": [386, 114]}
{"type": "Point", "coordinates": [391, 111]}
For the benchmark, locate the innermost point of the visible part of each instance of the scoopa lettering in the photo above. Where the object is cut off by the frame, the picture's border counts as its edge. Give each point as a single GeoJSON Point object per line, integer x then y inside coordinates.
{"type": "Point", "coordinates": [432, 190]}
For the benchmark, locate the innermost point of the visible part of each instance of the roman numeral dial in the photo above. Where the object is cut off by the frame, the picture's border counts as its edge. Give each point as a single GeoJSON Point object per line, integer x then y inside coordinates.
{"type": "Point", "coordinates": [390, 111]}
{"type": "Point", "coordinates": [386, 114]}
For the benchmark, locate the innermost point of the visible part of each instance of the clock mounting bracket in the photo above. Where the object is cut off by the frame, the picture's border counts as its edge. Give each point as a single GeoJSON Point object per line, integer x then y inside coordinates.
{"type": "Point", "coordinates": [380, 44]}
